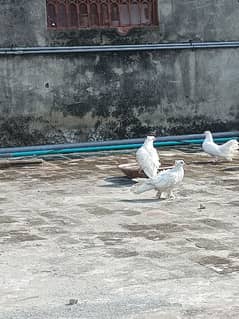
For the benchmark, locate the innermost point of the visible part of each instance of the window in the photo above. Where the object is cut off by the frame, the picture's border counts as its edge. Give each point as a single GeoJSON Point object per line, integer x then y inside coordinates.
{"type": "Point", "coordinates": [122, 14]}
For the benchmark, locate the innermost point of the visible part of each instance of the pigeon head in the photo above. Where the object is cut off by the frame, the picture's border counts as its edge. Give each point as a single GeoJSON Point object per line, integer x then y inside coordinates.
{"type": "Point", "coordinates": [208, 136]}
{"type": "Point", "coordinates": [150, 138]}
{"type": "Point", "coordinates": [179, 163]}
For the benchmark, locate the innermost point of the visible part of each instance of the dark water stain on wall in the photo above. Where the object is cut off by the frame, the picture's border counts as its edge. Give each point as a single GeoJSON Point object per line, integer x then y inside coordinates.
{"type": "Point", "coordinates": [28, 130]}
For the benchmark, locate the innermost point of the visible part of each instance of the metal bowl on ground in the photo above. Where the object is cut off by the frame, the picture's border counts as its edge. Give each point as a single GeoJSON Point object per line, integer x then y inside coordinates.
{"type": "Point", "coordinates": [132, 170]}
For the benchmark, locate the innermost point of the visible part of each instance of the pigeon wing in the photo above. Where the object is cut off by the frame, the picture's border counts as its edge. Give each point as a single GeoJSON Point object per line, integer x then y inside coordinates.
{"type": "Point", "coordinates": [211, 148]}
{"type": "Point", "coordinates": [146, 162]}
{"type": "Point", "coordinates": [165, 180]}
{"type": "Point", "coordinates": [155, 157]}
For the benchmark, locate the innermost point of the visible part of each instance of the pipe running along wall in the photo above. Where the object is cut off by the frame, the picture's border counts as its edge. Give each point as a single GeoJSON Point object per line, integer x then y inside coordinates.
{"type": "Point", "coordinates": [42, 150]}
{"type": "Point", "coordinates": [117, 48]}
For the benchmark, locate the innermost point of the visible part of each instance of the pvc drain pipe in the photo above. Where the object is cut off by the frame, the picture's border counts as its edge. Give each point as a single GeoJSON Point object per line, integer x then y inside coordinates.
{"type": "Point", "coordinates": [114, 142]}
{"type": "Point", "coordinates": [191, 45]}
{"type": "Point", "coordinates": [102, 146]}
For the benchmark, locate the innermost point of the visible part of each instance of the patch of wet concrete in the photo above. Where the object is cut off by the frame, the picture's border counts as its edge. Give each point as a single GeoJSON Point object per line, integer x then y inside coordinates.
{"type": "Point", "coordinates": [6, 220]}
{"type": "Point", "coordinates": [14, 236]}
{"type": "Point", "coordinates": [216, 223]}
{"type": "Point", "coordinates": [219, 264]}
{"type": "Point", "coordinates": [51, 230]}
{"type": "Point", "coordinates": [123, 253]}
{"type": "Point", "coordinates": [127, 212]}
{"type": "Point", "coordinates": [208, 244]}
{"type": "Point", "coordinates": [35, 221]}
{"type": "Point", "coordinates": [100, 211]}
{"type": "Point", "coordinates": [164, 227]}
{"type": "Point", "coordinates": [110, 238]}
{"type": "Point", "coordinates": [235, 189]}
{"type": "Point", "coordinates": [230, 182]}
{"type": "Point", "coordinates": [234, 202]}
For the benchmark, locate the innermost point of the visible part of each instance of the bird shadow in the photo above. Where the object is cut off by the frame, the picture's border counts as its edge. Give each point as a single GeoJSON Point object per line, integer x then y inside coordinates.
{"type": "Point", "coordinates": [146, 200]}
{"type": "Point", "coordinates": [118, 181]}
{"type": "Point", "coordinates": [206, 162]}
{"type": "Point", "coordinates": [231, 169]}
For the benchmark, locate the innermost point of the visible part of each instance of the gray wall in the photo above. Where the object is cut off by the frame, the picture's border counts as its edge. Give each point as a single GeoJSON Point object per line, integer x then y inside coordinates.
{"type": "Point", "coordinates": [77, 97]}
{"type": "Point", "coordinates": [202, 20]}
{"type": "Point", "coordinates": [23, 23]}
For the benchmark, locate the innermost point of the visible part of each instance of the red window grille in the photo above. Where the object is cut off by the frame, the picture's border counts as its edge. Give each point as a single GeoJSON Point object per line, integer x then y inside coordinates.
{"type": "Point", "coordinates": [122, 14]}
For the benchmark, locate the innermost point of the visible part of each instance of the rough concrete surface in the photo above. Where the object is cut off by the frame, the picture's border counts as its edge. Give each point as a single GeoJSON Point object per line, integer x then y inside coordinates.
{"type": "Point", "coordinates": [76, 243]}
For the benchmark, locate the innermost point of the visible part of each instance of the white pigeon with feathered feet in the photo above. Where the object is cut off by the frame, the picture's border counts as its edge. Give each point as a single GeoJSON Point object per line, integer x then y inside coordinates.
{"type": "Point", "coordinates": [147, 157]}
{"type": "Point", "coordinates": [163, 183]}
{"type": "Point", "coordinates": [226, 151]}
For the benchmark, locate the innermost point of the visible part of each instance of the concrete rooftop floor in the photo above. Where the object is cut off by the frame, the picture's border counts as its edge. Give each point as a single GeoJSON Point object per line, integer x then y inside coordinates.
{"type": "Point", "coordinates": [71, 229]}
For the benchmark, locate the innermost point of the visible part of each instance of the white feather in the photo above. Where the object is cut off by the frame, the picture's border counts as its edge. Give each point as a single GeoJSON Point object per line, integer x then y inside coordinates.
{"type": "Point", "coordinates": [226, 150]}
{"type": "Point", "coordinates": [147, 157]}
{"type": "Point", "coordinates": [163, 182]}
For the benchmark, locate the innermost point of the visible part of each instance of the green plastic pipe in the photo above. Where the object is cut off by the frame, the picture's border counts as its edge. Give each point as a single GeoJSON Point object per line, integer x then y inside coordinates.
{"type": "Point", "coordinates": [110, 148]}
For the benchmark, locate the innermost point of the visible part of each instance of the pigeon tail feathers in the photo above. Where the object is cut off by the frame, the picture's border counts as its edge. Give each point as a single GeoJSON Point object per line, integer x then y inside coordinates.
{"type": "Point", "coordinates": [229, 149]}
{"type": "Point", "coordinates": [142, 187]}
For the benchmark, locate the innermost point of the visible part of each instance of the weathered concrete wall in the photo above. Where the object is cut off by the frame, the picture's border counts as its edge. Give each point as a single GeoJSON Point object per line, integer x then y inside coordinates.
{"type": "Point", "coordinates": [23, 23]}
{"type": "Point", "coordinates": [69, 97]}
{"type": "Point", "coordinates": [98, 96]}
{"type": "Point", "coordinates": [201, 20]}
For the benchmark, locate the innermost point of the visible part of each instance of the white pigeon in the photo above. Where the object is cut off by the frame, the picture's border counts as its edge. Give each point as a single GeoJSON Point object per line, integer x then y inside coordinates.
{"type": "Point", "coordinates": [226, 150]}
{"type": "Point", "coordinates": [164, 182]}
{"type": "Point", "coordinates": [147, 157]}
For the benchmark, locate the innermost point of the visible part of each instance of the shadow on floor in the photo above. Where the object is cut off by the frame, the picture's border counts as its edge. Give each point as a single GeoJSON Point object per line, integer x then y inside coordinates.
{"type": "Point", "coordinates": [146, 200]}
{"type": "Point", "coordinates": [118, 181]}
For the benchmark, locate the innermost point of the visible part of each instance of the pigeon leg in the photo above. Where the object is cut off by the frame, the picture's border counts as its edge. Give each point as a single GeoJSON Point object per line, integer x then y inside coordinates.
{"type": "Point", "coordinates": [161, 195]}
{"type": "Point", "coordinates": [158, 194]}
{"type": "Point", "coordinates": [171, 195]}
{"type": "Point", "coordinates": [215, 161]}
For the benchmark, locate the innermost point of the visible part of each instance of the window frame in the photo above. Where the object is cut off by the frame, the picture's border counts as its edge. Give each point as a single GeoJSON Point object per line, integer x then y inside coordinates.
{"type": "Point", "coordinates": [94, 17]}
